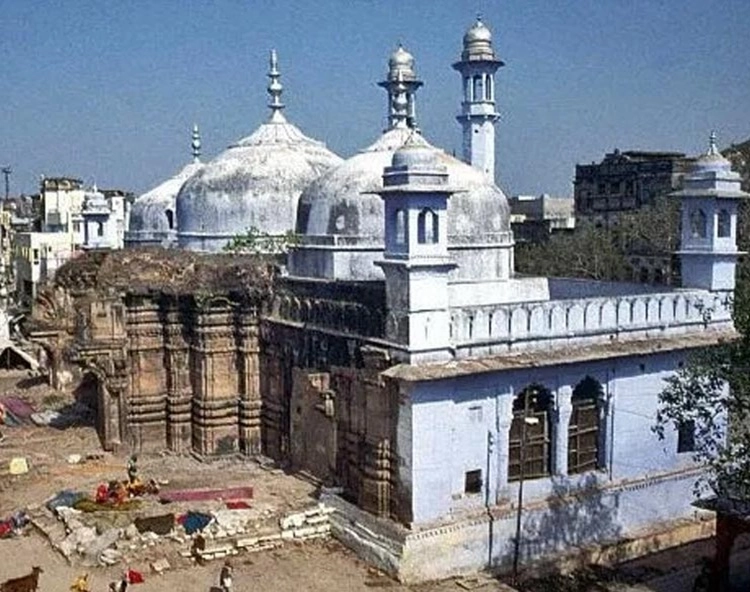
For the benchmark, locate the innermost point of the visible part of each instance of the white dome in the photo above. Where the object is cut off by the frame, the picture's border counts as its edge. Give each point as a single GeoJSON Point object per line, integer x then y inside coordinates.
{"type": "Point", "coordinates": [152, 215]}
{"type": "Point", "coordinates": [344, 201]}
{"type": "Point", "coordinates": [253, 184]}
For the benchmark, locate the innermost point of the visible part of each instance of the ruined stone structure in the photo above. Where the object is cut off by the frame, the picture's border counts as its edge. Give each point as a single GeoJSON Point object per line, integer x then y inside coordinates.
{"type": "Point", "coordinates": [228, 369]}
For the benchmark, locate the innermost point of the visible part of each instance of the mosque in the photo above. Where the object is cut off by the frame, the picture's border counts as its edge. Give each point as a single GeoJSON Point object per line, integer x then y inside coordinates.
{"type": "Point", "coordinates": [401, 360]}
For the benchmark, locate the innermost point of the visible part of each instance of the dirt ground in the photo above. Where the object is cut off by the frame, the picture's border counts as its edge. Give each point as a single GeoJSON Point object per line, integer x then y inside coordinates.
{"type": "Point", "coordinates": [310, 566]}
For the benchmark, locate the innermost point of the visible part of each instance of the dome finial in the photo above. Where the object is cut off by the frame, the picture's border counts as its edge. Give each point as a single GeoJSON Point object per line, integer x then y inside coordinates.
{"type": "Point", "coordinates": [712, 149]}
{"type": "Point", "coordinates": [195, 144]}
{"type": "Point", "coordinates": [275, 88]}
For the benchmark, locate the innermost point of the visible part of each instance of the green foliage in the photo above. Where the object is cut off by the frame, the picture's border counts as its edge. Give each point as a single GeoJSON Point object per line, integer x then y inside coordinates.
{"type": "Point", "coordinates": [602, 253]}
{"type": "Point", "coordinates": [254, 241]}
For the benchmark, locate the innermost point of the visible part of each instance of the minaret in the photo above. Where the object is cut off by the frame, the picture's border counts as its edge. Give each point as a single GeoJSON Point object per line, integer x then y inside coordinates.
{"type": "Point", "coordinates": [275, 89]}
{"type": "Point", "coordinates": [416, 263]}
{"type": "Point", "coordinates": [195, 144]}
{"type": "Point", "coordinates": [478, 115]}
{"type": "Point", "coordinates": [708, 241]}
{"type": "Point", "coordinates": [401, 84]}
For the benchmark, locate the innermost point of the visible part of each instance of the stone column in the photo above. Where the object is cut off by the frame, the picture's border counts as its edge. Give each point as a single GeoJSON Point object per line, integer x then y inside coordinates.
{"type": "Point", "coordinates": [562, 413]}
{"type": "Point", "coordinates": [504, 404]}
{"type": "Point", "coordinates": [250, 399]}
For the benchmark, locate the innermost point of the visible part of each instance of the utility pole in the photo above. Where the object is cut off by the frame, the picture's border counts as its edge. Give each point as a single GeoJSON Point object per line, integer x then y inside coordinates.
{"type": "Point", "coordinates": [6, 173]}
{"type": "Point", "coordinates": [529, 398]}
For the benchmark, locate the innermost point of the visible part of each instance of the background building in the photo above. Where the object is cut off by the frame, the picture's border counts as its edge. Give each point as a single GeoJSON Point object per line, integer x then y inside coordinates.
{"type": "Point", "coordinates": [626, 181]}
{"type": "Point", "coordinates": [535, 218]}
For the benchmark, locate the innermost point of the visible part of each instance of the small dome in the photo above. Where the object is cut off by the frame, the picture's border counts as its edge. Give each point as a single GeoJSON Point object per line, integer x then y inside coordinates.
{"type": "Point", "coordinates": [712, 160]}
{"type": "Point", "coordinates": [477, 32]}
{"type": "Point", "coordinates": [401, 58]}
{"type": "Point", "coordinates": [401, 65]}
{"type": "Point", "coordinates": [478, 43]}
{"type": "Point", "coordinates": [415, 153]}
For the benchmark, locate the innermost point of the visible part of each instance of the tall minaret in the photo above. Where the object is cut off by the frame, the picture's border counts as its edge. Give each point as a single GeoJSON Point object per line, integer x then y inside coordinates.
{"type": "Point", "coordinates": [478, 115]}
{"type": "Point", "coordinates": [195, 143]}
{"type": "Point", "coordinates": [401, 84]}
{"type": "Point", "coordinates": [708, 203]}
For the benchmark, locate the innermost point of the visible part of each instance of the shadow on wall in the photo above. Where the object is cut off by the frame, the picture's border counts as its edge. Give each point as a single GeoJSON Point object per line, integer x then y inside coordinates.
{"type": "Point", "coordinates": [575, 517]}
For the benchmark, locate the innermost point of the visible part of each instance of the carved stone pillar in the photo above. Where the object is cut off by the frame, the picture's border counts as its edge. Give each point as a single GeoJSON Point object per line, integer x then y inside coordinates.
{"type": "Point", "coordinates": [248, 353]}
{"type": "Point", "coordinates": [563, 411]}
{"type": "Point", "coordinates": [179, 396]}
{"type": "Point", "coordinates": [215, 382]}
{"type": "Point", "coordinates": [502, 442]}
{"type": "Point", "coordinates": [375, 491]}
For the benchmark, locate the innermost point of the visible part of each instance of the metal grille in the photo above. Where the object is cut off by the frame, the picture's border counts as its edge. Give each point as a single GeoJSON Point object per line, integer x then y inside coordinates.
{"type": "Point", "coordinates": [537, 452]}
{"type": "Point", "coordinates": [583, 436]}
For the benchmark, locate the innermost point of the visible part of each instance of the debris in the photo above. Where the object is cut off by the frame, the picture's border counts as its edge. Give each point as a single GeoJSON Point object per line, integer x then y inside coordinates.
{"type": "Point", "coordinates": [16, 410]}
{"type": "Point", "coordinates": [160, 565]}
{"type": "Point", "coordinates": [18, 466]}
{"type": "Point", "coordinates": [45, 418]}
{"type": "Point", "coordinates": [65, 499]}
{"type": "Point", "coordinates": [238, 505]}
{"type": "Point", "coordinates": [194, 521]}
{"type": "Point", "coordinates": [74, 459]}
{"type": "Point", "coordinates": [157, 524]}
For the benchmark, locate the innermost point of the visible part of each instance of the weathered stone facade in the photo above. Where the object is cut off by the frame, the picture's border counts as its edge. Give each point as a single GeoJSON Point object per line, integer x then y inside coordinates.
{"type": "Point", "coordinates": [291, 372]}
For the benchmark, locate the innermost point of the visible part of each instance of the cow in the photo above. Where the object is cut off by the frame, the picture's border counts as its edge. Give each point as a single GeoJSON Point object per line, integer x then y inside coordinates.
{"type": "Point", "coordinates": [27, 583]}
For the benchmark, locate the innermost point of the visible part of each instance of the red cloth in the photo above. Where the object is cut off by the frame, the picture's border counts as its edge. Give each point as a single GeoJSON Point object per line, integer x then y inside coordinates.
{"type": "Point", "coordinates": [135, 577]}
{"type": "Point", "coordinates": [238, 505]}
{"type": "Point", "coordinates": [102, 494]}
{"type": "Point", "coordinates": [5, 528]}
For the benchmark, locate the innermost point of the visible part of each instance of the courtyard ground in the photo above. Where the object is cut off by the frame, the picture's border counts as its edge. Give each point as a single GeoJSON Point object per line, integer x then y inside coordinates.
{"type": "Point", "coordinates": [319, 565]}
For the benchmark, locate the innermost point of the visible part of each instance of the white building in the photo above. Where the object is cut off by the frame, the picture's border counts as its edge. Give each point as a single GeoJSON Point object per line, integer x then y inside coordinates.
{"type": "Point", "coordinates": [38, 255]}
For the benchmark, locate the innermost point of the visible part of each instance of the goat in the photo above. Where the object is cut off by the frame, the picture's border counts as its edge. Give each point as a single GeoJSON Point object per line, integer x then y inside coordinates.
{"type": "Point", "coordinates": [27, 583]}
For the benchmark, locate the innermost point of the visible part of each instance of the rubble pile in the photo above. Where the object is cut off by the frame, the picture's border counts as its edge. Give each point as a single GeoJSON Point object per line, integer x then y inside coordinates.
{"type": "Point", "coordinates": [226, 536]}
{"type": "Point", "coordinates": [107, 538]}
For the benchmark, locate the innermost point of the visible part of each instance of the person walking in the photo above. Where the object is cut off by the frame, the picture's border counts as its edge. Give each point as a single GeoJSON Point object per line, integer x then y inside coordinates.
{"type": "Point", "coordinates": [225, 577]}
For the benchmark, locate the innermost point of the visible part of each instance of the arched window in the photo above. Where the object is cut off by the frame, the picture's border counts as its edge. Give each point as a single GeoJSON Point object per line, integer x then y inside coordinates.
{"type": "Point", "coordinates": [400, 224]}
{"type": "Point", "coordinates": [427, 227]}
{"type": "Point", "coordinates": [537, 451]}
{"type": "Point", "coordinates": [170, 219]}
{"type": "Point", "coordinates": [478, 91]}
{"type": "Point", "coordinates": [488, 88]}
{"type": "Point", "coordinates": [723, 224]}
{"type": "Point", "coordinates": [583, 431]}
{"type": "Point", "coordinates": [99, 229]}
{"type": "Point", "coordinates": [698, 224]}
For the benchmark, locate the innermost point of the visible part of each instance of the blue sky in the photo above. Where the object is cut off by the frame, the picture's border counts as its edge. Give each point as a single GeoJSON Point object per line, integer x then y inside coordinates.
{"type": "Point", "coordinates": [108, 91]}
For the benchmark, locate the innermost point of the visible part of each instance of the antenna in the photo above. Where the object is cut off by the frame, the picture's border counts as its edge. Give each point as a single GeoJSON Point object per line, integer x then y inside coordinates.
{"type": "Point", "coordinates": [7, 171]}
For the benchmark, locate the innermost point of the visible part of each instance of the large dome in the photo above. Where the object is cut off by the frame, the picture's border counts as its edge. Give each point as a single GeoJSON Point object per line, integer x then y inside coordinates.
{"type": "Point", "coordinates": [343, 201]}
{"type": "Point", "coordinates": [255, 183]}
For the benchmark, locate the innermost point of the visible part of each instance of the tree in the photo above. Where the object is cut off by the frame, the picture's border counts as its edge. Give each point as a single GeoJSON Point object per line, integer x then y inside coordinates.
{"type": "Point", "coordinates": [603, 254]}
{"type": "Point", "coordinates": [711, 395]}
{"type": "Point", "coordinates": [257, 242]}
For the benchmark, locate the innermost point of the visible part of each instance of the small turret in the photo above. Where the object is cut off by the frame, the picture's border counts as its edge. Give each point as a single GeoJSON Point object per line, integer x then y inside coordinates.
{"type": "Point", "coordinates": [708, 242]}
